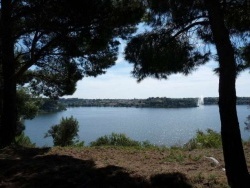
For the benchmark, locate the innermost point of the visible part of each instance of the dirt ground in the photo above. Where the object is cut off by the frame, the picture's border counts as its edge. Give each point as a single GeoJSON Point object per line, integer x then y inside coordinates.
{"type": "Point", "coordinates": [112, 167]}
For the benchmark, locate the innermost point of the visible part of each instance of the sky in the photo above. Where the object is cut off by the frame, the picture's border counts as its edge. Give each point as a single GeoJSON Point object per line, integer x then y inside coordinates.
{"type": "Point", "coordinates": [118, 83]}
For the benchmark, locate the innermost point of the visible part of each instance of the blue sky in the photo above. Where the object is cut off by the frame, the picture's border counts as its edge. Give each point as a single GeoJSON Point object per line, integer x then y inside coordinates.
{"type": "Point", "coordinates": [118, 83]}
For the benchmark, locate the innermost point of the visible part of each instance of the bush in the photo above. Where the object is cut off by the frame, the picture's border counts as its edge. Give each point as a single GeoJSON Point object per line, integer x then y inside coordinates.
{"type": "Point", "coordinates": [114, 140]}
{"type": "Point", "coordinates": [118, 140]}
{"type": "Point", "coordinates": [65, 133]}
{"type": "Point", "coordinates": [210, 139]}
{"type": "Point", "coordinates": [23, 140]}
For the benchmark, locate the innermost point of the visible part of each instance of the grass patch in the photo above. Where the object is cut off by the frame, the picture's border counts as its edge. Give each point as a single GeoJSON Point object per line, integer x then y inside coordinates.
{"type": "Point", "coordinates": [175, 156]}
{"type": "Point", "coordinates": [195, 157]}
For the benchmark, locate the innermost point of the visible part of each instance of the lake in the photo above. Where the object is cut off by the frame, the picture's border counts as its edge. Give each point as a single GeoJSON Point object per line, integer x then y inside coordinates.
{"type": "Point", "coordinates": [160, 126]}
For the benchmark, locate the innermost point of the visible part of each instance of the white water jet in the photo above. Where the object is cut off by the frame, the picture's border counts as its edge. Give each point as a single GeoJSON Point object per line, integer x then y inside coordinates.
{"type": "Point", "coordinates": [200, 101]}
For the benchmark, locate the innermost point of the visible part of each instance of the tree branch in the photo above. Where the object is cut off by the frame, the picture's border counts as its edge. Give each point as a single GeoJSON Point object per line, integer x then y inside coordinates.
{"type": "Point", "coordinates": [189, 27]}
{"type": "Point", "coordinates": [35, 57]}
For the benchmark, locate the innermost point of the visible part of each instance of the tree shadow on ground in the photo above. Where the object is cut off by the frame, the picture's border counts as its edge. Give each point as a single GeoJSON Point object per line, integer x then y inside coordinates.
{"type": "Point", "coordinates": [30, 168]}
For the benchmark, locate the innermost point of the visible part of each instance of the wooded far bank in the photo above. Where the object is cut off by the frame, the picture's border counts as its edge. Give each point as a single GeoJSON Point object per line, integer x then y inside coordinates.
{"type": "Point", "coordinates": [157, 102]}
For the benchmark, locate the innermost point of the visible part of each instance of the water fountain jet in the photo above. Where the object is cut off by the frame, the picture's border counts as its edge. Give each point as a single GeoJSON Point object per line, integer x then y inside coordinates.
{"type": "Point", "coordinates": [200, 101]}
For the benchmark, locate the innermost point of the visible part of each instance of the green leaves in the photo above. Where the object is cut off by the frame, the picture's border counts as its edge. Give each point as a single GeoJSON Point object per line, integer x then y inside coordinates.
{"type": "Point", "coordinates": [180, 37]}
{"type": "Point", "coordinates": [115, 139]}
{"type": "Point", "coordinates": [55, 80]}
{"type": "Point", "coordinates": [60, 42]}
{"type": "Point", "coordinates": [208, 139]}
{"type": "Point", "coordinates": [27, 106]}
{"type": "Point", "coordinates": [158, 54]}
{"type": "Point", "coordinates": [65, 133]}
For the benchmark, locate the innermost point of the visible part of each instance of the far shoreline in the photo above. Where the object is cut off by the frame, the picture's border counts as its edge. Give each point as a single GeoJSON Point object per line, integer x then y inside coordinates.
{"type": "Point", "coordinates": [152, 102]}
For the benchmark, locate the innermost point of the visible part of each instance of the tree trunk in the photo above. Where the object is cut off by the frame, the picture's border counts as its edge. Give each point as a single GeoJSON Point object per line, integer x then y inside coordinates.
{"type": "Point", "coordinates": [9, 111]}
{"type": "Point", "coordinates": [235, 162]}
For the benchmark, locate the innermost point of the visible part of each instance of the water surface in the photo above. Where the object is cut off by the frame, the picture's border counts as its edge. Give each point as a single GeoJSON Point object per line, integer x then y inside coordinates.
{"type": "Point", "coordinates": [161, 126]}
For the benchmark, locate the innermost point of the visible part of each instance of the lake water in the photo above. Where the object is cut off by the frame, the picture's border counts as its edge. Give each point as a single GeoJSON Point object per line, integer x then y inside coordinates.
{"type": "Point", "coordinates": [160, 126]}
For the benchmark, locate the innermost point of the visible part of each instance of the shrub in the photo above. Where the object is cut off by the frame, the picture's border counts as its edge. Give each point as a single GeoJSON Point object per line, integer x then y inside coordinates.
{"type": "Point", "coordinates": [23, 140]}
{"type": "Point", "coordinates": [114, 140]}
{"type": "Point", "coordinates": [65, 133]}
{"type": "Point", "coordinates": [210, 139]}
{"type": "Point", "coordinates": [118, 140]}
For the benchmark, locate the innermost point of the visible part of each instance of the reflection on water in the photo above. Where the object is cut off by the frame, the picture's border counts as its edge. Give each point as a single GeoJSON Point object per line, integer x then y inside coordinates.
{"type": "Point", "coordinates": [158, 125]}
